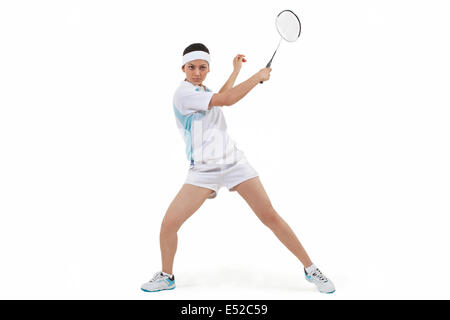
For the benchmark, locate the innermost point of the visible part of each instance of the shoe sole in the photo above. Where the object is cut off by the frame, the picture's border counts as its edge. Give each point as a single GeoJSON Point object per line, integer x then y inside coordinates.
{"type": "Point", "coordinates": [309, 280]}
{"type": "Point", "coordinates": [157, 290]}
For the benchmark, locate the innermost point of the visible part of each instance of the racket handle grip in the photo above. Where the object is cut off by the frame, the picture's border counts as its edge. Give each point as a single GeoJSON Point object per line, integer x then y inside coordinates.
{"type": "Point", "coordinates": [268, 66]}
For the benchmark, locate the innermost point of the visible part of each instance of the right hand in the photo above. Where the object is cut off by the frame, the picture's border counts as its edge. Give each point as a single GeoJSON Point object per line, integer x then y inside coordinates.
{"type": "Point", "coordinates": [264, 74]}
{"type": "Point", "coordinates": [237, 62]}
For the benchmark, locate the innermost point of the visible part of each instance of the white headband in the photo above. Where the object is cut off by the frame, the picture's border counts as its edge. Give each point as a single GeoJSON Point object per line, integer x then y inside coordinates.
{"type": "Point", "coordinates": [195, 55]}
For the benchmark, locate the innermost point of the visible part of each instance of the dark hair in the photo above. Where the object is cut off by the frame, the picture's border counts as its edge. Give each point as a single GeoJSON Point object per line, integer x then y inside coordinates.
{"type": "Point", "coordinates": [195, 47]}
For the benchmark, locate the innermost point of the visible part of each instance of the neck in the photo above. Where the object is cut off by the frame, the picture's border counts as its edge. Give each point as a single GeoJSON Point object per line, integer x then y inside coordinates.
{"type": "Point", "coordinates": [201, 84]}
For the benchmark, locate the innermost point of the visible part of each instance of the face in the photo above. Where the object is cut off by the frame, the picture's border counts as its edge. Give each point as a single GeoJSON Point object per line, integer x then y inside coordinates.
{"type": "Point", "coordinates": [196, 71]}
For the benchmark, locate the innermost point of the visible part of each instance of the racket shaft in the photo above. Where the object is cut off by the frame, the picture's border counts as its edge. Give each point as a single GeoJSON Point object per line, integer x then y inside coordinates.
{"type": "Point", "coordinates": [270, 62]}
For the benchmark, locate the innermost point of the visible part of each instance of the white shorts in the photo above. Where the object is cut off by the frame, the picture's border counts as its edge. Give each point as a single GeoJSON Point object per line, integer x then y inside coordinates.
{"type": "Point", "coordinates": [216, 176]}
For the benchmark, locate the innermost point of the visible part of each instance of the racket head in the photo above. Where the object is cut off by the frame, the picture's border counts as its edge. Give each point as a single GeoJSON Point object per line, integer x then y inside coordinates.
{"type": "Point", "coordinates": [288, 25]}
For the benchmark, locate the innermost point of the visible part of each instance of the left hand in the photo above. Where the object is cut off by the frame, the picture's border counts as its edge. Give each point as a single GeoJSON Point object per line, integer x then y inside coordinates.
{"type": "Point", "coordinates": [237, 62]}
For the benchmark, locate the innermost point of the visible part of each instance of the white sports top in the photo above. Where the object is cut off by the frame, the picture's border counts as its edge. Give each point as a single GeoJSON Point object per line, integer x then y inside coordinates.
{"type": "Point", "coordinates": [204, 131]}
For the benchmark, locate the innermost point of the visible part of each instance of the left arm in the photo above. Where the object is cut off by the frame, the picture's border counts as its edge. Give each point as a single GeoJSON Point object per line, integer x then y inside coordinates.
{"type": "Point", "coordinates": [230, 82]}
{"type": "Point", "coordinates": [237, 63]}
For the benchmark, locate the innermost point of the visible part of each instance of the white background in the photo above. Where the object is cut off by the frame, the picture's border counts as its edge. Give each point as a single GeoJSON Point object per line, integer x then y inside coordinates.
{"type": "Point", "coordinates": [350, 137]}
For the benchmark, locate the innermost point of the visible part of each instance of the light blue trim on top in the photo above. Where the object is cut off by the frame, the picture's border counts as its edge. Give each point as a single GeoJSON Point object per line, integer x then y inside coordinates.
{"type": "Point", "coordinates": [186, 122]}
{"type": "Point", "coordinates": [207, 90]}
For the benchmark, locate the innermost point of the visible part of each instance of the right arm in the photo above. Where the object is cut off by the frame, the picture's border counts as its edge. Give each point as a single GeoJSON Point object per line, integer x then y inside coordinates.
{"type": "Point", "coordinates": [233, 95]}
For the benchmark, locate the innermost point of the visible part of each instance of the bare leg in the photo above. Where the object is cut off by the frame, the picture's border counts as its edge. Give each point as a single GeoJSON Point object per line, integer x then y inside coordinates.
{"type": "Point", "coordinates": [185, 203]}
{"type": "Point", "coordinates": [254, 194]}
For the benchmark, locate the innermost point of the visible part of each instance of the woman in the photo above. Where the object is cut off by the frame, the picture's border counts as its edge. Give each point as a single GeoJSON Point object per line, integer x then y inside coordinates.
{"type": "Point", "coordinates": [215, 161]}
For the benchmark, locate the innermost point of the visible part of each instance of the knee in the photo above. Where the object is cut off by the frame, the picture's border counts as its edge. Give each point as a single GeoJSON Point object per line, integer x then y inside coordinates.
{"type": "Point", "coordinates": [270, 217]}
{"type": "Point", "coordinates": [169, 225]}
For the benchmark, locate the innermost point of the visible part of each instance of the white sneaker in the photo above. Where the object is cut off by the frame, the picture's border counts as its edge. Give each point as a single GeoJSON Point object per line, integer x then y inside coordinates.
{"type": "Point", "coordinates": [159, 282]}
{"type": "Point", "coordinates": [318, 278]}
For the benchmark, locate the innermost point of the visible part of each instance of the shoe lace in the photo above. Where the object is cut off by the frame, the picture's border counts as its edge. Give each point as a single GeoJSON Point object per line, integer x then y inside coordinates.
{"type": "Point", "coordinates": [319, 275]}
{"type": "Point", "coordinates": [158, 275]}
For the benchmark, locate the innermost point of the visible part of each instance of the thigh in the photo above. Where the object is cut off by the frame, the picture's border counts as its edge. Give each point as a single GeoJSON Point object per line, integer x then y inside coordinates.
{"type": "Point", "coordinates": [185, 203]}
{"type": "Point", "coordinates": [255, 195]}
